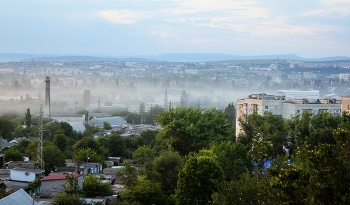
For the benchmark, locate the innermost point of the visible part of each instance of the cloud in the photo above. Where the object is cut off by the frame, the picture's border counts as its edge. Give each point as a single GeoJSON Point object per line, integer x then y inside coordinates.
{"type": "Point", "coordinates": [124, 16]}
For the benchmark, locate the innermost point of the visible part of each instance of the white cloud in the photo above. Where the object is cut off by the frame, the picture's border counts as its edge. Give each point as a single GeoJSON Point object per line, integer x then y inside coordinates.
{"type": "Point", "coordinates": [124, 16]}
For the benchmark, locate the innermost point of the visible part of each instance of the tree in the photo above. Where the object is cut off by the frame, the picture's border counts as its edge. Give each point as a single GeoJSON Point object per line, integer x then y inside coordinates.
{"type": "Point", "coordinates": [267, 128]}
{"type": "Point", "coordinates": [117, 146]}
{"type": "Point", "coordinates": [145, 192]}
{"type": "Point", "coordinates": [22, 145]}
{"type": "Point", "coordinates": [128, 173]}
{"type": "Point", "coordinates": [61, 141]}
{"type": "Point", "coordinates": [28, 121]}
{"type": "Point", "coordinates": [166, 167]}
{"type": "Point", "coordinates": [147, 138]}
{"type": "Point", "coordinates": [3, 192]}
{"type": "Point", "coordinates": [188, 129]}
{"type": "Point", "coordinates": [6, 128]}
{"type": "Point", "coordinates": [87, 155]}
{"type": "Point", "coordinates": [143, 155]}
{"type": "Point", "coordinates": [72, 193]}
{"type": "Point", "coordinates": [322, 126]}
{"type": "Point", "coordinates": [230, 112]}
{"type": "Point", "coordinates": [94, 186]}
{"type": "Point", "coordinates": [13, 155]}
{"type": "Point", "coordinates": [233, 159]}
{"type": "Point", "coordinates": [107, 126]}
{"type": "Point", "coordinates": [88, 142]}
{"type": "Point", "coordinates": [299, 128]}
{"type": "Point", "coordinates": [250, 128]}
{"type": "Point", "coordinates": [53, 157]}
{"type": "Point", "coordinates": [198, 179]}
{"type": "Point", "coordinates": [245, 190]}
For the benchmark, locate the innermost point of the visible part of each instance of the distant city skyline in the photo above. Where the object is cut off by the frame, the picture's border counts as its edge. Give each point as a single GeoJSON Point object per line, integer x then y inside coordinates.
{"type": "Point", "coordinates": [311, 29]}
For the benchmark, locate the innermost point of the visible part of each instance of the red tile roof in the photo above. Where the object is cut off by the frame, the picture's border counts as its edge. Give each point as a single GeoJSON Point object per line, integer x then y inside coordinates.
{"type": "Point", "coordinates": [57, 177]}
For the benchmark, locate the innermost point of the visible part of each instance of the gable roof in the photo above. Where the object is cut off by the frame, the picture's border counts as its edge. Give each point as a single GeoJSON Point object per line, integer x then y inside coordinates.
{"type": "Point", "coordinates": [19, 197]}
{"type": "Point", "coordinates": [57, 177]}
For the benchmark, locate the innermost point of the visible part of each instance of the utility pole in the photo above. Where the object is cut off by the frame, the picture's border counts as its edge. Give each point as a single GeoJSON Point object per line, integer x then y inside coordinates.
{"type": "Point", "coordinates": [39, 153]}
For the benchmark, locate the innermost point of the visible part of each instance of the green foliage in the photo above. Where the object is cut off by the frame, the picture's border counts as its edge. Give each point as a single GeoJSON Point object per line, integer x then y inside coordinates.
{"type": "Point", "coordinates": [188, 129]}
{"type": "Point", "coordinates": [13, 155]}
{"type": "Point", "coordinates": [147, 138]}
{"type": "Point", "coordinates": [267, 128]}
{"type": "Point", "coordinates": [66, 199]}
{"type": "Point", "coordinates": [245, 190]}
{"type": "Point", "coordinates": [198, 179]}
{"type": "Point", "coordinates": [53, 157]}
{"type": "Point", "coordinates": [261, 151]}
{"type": "Point", "coordinates": [22, 145]}
{"type": "Point", "coordinates": [143, 155]}
{"type": "Point", "coordinates": [3, 192]}
{"type": "Point", "coordinates": [128, 174]}
{"type": "Point", "coordinates": [28, 120]}
{"type": "Point", "coordinates": [72, 193]}
{"type": "Point", "coordinates": [61, 141]}
{"type": "Point", "coordinates": [116, 145]}
{"type": "Point", "coordinates": [34, 184]}
{"type": "Point", "coordinates": [87, 155]}
{"type": "Point", "coordinates": [145, 192]}
{"type": "Point", "coordinates": [6, 128]}
{"type": "Point", "coordinates": [107, 126]}
{"type": "Point", "coordinates": [166, 169]}
{"type": "Point", "coordinates": [133, 118]}
{"type": "Point", "coordinates": [233, 158]}
{"type": "Point", "coordinates": [88, 142]}
{"type": "Point", "coordinates": [94, 186]}
{"type": "Point", "coordinates": [230, 112]}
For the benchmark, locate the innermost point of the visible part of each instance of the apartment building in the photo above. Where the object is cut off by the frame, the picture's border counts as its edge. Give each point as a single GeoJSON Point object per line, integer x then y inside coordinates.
{"type": "Point", "coordinates": [297, 106]}
{"type": "Point", "coordinates": [345, 104]}
{"type": "Point", "coordinates": [260, 103]}
{"type": "Point", "coordinates": [279, 105]}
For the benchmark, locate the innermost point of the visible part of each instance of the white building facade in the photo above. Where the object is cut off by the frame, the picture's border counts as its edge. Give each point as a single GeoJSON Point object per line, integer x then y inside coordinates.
{"type": "Point", "coordinates": [25, 175]}
{"type": "Point", "coordinates": [260, 103]}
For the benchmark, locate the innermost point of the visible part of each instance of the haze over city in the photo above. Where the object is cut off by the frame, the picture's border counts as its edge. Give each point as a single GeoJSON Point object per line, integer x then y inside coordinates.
{"type": "Point", "coordinates": [314, 28]}
{"type": "Point", "coordinates": [175, 102]}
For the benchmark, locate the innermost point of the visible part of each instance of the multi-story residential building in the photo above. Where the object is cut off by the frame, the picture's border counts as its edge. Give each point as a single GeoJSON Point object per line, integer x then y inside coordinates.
{"type": "Point", "coordinates": [280, 106]}
{"type": "Point", "coordinates": [345, 104]}
{"type": "Point", "coordinates": [260, 103]}
{"type": "Point", "coordinates": [292, 108]}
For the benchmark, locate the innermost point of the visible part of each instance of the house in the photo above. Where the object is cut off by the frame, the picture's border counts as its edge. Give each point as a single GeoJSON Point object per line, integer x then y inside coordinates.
{"type": "Point", "coordinates": [53, 184]}
{"type": "Point", "coordinates": [25, 174]}
{"type": "Point", "coordinates": [19, 197]}
{"type": "Point", "coordinates": [90, 168]}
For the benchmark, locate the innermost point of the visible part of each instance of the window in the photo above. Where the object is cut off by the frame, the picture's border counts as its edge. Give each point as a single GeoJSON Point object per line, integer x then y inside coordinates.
{"type": "Point", "coordinates": [266, 107]}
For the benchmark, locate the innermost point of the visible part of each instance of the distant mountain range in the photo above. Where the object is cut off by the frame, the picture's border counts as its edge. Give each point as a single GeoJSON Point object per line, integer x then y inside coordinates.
{"type": "Point", "coordinates": [169, 57]}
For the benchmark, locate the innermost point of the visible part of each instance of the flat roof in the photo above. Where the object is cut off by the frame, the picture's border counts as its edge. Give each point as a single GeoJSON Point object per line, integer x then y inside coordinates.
{"type": "Point", "coordinates": [36, 171]}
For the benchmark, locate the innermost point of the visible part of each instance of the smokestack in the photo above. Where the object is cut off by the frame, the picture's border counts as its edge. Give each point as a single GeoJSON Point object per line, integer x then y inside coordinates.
{"type": "Point", "coordinates": [47, 97]}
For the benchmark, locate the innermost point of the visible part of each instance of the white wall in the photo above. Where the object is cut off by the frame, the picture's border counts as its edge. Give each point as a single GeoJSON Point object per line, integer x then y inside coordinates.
{"type": "Point", "coordinates": [20, 175]}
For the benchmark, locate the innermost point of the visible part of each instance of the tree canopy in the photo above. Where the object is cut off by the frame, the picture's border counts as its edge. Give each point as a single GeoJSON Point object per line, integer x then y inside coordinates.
{"type": "Point", "coordinates": [188, 129]}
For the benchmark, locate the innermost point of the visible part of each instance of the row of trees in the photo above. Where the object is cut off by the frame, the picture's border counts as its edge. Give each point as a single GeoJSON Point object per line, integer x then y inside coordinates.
{"type": "Point", "coordinates": [196, 159]}
{"type": "Point", "coordinates": [201, 164]}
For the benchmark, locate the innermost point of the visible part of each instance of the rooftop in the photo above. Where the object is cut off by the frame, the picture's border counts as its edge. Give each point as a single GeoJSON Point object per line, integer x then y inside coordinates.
{"type": "Point", "coordinates": [52, 177]}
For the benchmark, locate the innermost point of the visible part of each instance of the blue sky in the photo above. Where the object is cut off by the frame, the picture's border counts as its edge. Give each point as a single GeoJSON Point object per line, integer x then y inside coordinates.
{"type": "Point", "coordinates": [308, 28]}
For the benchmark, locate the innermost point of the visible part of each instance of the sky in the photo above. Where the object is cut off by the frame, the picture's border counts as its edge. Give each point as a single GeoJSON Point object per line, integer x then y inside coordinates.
{"type": "Point", "coordinates": [308, 28]}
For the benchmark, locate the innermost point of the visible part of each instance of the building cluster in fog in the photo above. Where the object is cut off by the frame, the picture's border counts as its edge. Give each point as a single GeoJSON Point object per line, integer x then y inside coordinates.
{"type": "Point", "coordinates": [108, 86]}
